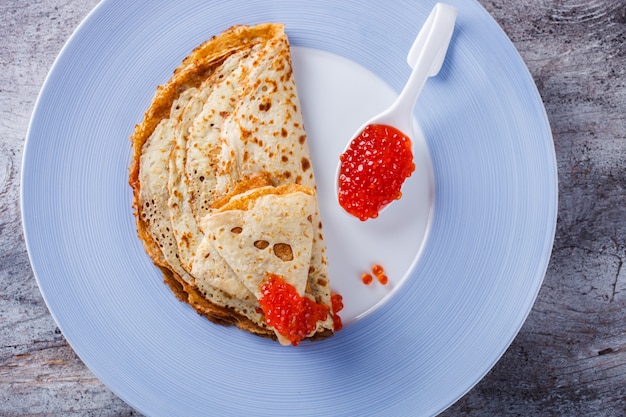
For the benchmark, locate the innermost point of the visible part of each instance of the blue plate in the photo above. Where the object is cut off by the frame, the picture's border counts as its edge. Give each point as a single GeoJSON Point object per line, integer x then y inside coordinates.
{"type": "Point", "coordinates": [464, 299]}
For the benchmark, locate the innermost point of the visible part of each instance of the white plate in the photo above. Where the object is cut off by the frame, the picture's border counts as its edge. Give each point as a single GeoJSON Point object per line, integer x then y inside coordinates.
{"type": "Point", "coordinates": [466, 248]}
{"type": "Point", "coordinates": [337, 95]}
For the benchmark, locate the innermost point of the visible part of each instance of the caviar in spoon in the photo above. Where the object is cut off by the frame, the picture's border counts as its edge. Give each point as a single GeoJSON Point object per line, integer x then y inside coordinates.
{"type": "Point", "coordinates": [373, 169]}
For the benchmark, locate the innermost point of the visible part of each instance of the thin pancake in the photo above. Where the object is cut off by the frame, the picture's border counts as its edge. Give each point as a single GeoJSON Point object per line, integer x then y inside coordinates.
{"type": "Point", "coordinates": [272, 235]}
{"type": "Point", "coordinates": [227, 123]}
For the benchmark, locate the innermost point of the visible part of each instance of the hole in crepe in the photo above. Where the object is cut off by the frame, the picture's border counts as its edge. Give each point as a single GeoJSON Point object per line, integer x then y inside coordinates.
{"type": "Point", "coordinates": [236, 230]}
{"type": "Point", "coordinates": [283, 251]}
{"type": "Point", "coordinates": [261, 244]}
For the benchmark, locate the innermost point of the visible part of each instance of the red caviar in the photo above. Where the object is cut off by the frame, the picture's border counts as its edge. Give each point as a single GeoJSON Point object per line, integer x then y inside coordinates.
{"type": "Point", "coordinates": [289, 313]}
{"type": "Point", "coordinates": [383, 279]}
{"type": "Point", "coordinates": [336, 301]}
{"type": "Point", "coordinates": [373, 169]}
{"type": "Point", "coordinates": [377, 270]}
{"type": "Point", "coordinates": [380, 274]}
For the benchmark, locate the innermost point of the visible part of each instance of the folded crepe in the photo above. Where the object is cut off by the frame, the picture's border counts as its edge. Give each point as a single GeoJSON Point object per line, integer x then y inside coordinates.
{"type": "Point", "coordinates": [223, 187]}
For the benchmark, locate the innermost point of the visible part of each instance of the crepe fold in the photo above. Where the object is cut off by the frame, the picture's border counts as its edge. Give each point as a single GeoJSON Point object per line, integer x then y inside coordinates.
{"type": "Point", "coordinates": [223, 187]}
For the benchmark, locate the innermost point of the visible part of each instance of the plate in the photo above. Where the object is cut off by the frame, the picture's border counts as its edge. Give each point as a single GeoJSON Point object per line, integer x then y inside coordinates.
{"type": "Point", "coordinates": [464, 280]}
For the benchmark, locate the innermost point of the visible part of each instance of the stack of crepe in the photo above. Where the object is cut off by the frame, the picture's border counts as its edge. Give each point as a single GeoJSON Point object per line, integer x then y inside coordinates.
{"type": "Point", "coordinates": [224, 192]}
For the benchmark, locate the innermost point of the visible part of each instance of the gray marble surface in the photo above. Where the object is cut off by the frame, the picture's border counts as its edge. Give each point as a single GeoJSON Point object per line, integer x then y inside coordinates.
{"type": "Point", "coordinates": [570, 356]}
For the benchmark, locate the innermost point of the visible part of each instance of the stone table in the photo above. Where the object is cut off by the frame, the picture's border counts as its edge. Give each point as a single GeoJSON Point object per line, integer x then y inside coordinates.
{"type": "Point", "coordinates": [569, 357]}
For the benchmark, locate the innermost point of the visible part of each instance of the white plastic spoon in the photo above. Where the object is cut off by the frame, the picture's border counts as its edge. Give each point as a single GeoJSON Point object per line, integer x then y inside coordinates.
{"type": "Point", "coordinates": [426, 57]}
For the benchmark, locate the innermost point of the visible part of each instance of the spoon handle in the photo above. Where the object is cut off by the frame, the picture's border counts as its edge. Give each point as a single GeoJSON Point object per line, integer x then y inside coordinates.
{"type": "Point", "coordinates": [426, 55]}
